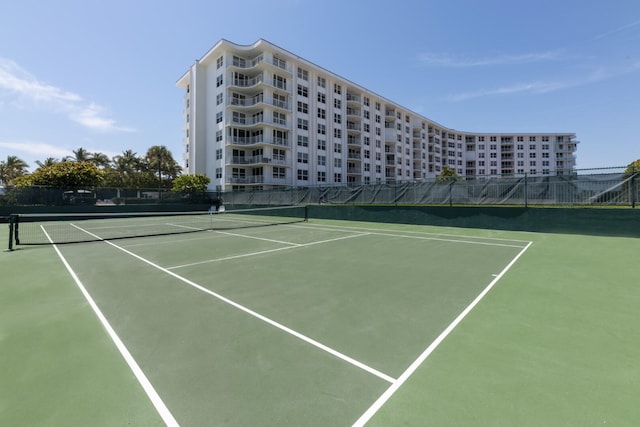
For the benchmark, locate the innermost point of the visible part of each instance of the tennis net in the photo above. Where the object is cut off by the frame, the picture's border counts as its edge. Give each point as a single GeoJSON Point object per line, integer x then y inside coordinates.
{"type": "Point", "coordinates": [42, 229]}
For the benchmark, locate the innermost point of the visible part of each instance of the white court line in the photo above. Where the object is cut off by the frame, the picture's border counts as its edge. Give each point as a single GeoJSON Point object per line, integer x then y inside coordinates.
{"type": "Point", "coordinates": [257, 315]}
{"type": "Point", "coordinates": [162, 409]}
{"type": "Point", "coordinates": [303, 245]}
{"type": "Point", "coordinates": [260, 238]}
{"type": "Point", "coordinates": [329, 227]}
{"type": "Point", "coordinates": [369, 413]}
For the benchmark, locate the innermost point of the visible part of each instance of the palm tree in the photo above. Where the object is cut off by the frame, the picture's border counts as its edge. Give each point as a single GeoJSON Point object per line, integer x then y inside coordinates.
{"type": "Point", "coordinates": [12, 168]}
{"type": "Point", "coordinates": [160, 161]}
{"type": "Point", "coordinates": [79, 155]}
{"type": "Point", "coordinates": [127, 165]}
{"type": "Point", "coordinates": [49, 161]}
{"type": "Point", "coordinates": [100, 159]}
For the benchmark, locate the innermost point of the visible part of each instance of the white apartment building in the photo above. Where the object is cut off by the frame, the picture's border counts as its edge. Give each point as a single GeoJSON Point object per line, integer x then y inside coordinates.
{"type": "Point", "coordinates": [260, 117]}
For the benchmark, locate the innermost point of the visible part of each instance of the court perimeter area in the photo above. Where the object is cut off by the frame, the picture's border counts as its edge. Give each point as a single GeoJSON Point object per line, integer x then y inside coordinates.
{"type": "Point", "coordinates": [323, 323]}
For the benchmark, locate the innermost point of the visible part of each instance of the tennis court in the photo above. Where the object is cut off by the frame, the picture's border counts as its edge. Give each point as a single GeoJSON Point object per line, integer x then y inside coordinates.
{"type": "Point", "coordinates": [319, 322]}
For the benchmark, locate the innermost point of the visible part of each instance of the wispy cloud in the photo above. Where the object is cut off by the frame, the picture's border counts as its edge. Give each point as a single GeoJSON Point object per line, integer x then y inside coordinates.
{"type": "Point", "coordinates": [618, 30]}
{"type": "Point", "coordinates": [541, 87]}
{"type": "Point", "coordinates": [28, 90]}
{"type": "Point", "coordinates": [36, 149]}
{"type": "Point", "coordinates": [444, 60]}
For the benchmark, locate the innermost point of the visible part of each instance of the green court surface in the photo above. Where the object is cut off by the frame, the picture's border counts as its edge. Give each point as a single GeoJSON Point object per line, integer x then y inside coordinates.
{"type": "Point", "coordinates": [323, 323]}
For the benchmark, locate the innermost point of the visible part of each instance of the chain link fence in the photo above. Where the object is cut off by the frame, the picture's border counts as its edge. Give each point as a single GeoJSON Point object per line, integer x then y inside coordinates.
{"type": "Point", "coordinates": [594, 187]}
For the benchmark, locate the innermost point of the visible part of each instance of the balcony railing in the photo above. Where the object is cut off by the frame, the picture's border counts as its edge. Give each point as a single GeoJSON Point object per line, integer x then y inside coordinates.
{"type": "Point", "coordinates": [259, 139]}
{"type": "Point", "coordinates": [254, 160]}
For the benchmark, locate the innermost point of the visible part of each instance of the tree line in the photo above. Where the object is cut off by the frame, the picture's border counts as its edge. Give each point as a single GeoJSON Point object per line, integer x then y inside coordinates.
{"type": "Point", "coordinates": [156, 169]}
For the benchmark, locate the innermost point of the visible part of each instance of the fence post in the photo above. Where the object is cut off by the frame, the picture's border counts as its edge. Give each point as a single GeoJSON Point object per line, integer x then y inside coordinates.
{"type": "Point", "coordinates": [526, 193]}
{"type": "Point", "coordinates": [451, 193]}
{"type": "Point", "coordinates": [633, 186]}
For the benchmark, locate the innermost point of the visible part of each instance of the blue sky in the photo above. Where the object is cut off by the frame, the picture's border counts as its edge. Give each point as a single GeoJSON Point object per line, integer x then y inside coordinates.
{"type": "Point", "coordinates": [101, 74]}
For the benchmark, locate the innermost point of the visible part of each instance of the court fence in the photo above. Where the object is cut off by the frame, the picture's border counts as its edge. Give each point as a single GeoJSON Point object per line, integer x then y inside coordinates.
{"type": "Point", "coordinates": [617, 186]}
{"type": "Point", "coordinates": [593, 187]}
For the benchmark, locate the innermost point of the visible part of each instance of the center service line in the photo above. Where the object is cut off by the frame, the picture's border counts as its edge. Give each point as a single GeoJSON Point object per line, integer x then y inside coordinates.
{"type": "Point", "coordinates": [257, 315]}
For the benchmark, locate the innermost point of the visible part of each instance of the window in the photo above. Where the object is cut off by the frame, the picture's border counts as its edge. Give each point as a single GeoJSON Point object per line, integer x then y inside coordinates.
{"type": "Point", "coordinates": [219, 81]}
{"type": "Point", "coordinates": [303, 74]}
{"type": "Point", "coordinates": [322, 176]}
{"type": "Point", "coordinates": [337, 148]}
{"type": "Point", "coordinates": [337, 177]}
{"type": "Point", "coordinates": [279, 155]}
{"type": "Point", "coordinates": [322, 129]}
{"type": "Point", "coordinates": [322, 144]}
{"type": "Point", "coordinates": [220, 62]}
{"type": "Point", "coordinates": [219, 154]}
{"type": "Point", "coordinates": [322, 160]}
{"type": "Point", "coordinates": [532, 146]}
{"type": "Point", "coordinates": [337, 133]}
{"type": "Point", "coordinates": [532, 138]}
{"type": "Point", "coordinates": [218, 136]}
{"type": "Point", "coordinates": [337, 118]}
{"type": "Point", "coordinates": [303, 91]}
{"type": "Point", "coordinates": [280, 63]}
{"type": "Point", "coordinates": [279, 173]}
{"type": "Point", "coordinates": [219, 98]}
{"type": "Point", "coordinates": [303, 158]}
{"type": "Point", "coordinates": [303, 107]}
{"type": "Point", "coordinates": [322, 113]}
{"type": "Point", "coordinates": [303, 175]}
{"type": "Point", "coordinates": [322, 82]}
{"type": "Point", "coordinates": [279, 82]}
{"type": "Point", "coordinates": [303, 141]}
{"type": "Point", "coordinates": [218, 173]}
{"type": "Point", "coordinates": [337, 103]}
{"type": "Point", "coordinates": [337, 89]}
{"type": "Point", "coordinates": [337, 163]}
{"type": "Point", "coordinates": [219, 117]}
{"type": "Point", "coordinates": [322, 98]}
{"type": "Point", "coordinates": [303, 124]}
{"type": "Point", "coordinates": [279, 118]}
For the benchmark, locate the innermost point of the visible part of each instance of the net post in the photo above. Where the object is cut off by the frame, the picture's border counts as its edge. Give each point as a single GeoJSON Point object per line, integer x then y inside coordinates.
{"type": "Point", "coordinates": [306, 213]}
{"type": "Point", "coordinates": [12, 221]}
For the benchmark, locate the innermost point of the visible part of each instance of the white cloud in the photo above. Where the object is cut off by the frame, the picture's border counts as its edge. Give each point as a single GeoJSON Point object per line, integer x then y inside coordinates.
{"type": "Point", "coordinates": [37, 149]}
{"type": "Point", "coordinates": [617, 30]}
{"type": "Point", "coordinates": [91, 117]}
{"type": "Point", "coordinates": [442, 60]}
{"type": "Point", "coordinates": [595, 76]}
{"type": "Point", "coordinates": [28, 89]}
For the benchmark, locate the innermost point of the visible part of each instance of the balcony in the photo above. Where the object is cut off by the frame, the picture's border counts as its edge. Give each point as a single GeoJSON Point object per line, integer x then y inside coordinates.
{"type": "Point", "coordinates": [247, 63]}
{"type": "Point", "coordinates": [354, 112]}
{"type": "Point", "coordinates": [351, 97]}
{"type": "Point", "coordinates": [258, 121]}
{"type": "Point", "coordinates": [258, 140]}
{"type": "Point", "coordinates": [247, 82]}
{"type": "Point", "coordinates": [259, 100]}
{"type": "Point", "coordinates": [256, 160]}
